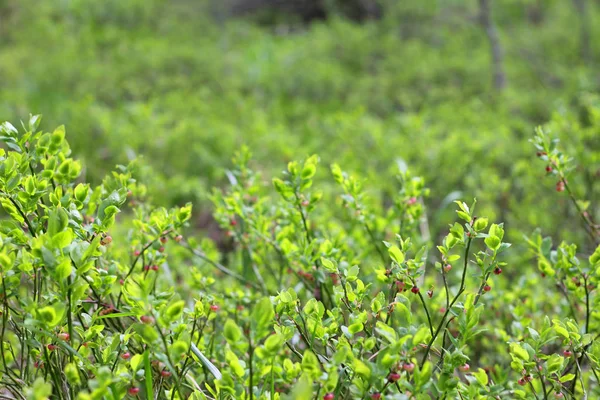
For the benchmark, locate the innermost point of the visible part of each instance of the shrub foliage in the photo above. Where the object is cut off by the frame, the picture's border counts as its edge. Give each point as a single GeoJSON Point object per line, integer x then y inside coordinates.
{"type": "Point", "coordinates": [327, 293]}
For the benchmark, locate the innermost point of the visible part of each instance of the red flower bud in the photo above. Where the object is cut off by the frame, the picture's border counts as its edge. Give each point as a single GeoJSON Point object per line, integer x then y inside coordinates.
{"type": "Point", "coordinates": [408, 367]}
{"type": "Point", "coordinates": [393, 377]}
{"type": "Point", "coordinates": [126, 355]}
{"type": "Point", "coordinates": [214, 308]}
{"type": "Point", "coordinates": [415, 289]}
{"type": "Point", "coordinates": [133, 391]}
{"type": "Point", "coordinates": [329, 396]}
{"type": "Point", "coordinates": [64, 336]}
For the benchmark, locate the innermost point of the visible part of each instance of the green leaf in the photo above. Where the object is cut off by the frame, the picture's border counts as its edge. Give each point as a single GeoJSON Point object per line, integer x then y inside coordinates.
{"type": "Point", "coordinates": [480, 224]}
{"type": "Point", "coordinates": [81, 192]}
{"type": "Point", "coordinates": [184, 213]}
{"type": "Point", "coordinates": [303, 389]}
{"type": "Point", "coordinates": [518, 351]}
{"type": "Point", "coordinates": [554, 363]}
{"type": "Point", "coordinates": [57, 221]}
{"type": "Point", "coordinates": [561, 331]}
{"type": "Point", "coordinates": [62, 239]}
{"type": "Point", "coordinates": [146, 332]}
{"type": "Point", "coordinates": [567, 378]}
{"type": "Point", "coordinates": [492, 242]}
{"type": "Point", "coordinates": [328, 265]}
{"type": "Point", "coordinates": [464, 216]}
{"type": "Point", "coordinates": [396, 254]}
{"type": "Point", "coordinates": [174, 311]}
{"type": "Point", "coordinates": [91, 250]}
{"type": "Point", "coordinates": [595, 257]}
{"type": "Point", "coordinates": [355, 328]}
{"type": "Point", "coordinates": [361, 369]}
{"type": "Point", "coordinates": [274, 343]}
{"type": "Point", "coordinates": [481, 376]}
{"type": "Point", "coordinates": [232, 332]}
{"type": "Point", "coordinates": [387, 332]}
{"type": "Point", "coordinates": [310, 364]}
{"type": "Point", "coordinates": [5, 262]}
{"type": "Point", "coordinates": [262, 318]}
{"type": "Point", "coordinates": [135, 362]}
{"type": "Point", "coordinates": [497, 231]}
{"type": "Point", "coordinates": [64, 269]}
{"type": "Point", "coordinates": [46, 314]}
{"type": "Point", "coordinates": [423, 375]}
{"type": "Point", "coordinates": [337, 173]}
{"type": "Point", "coordinates": [308, 171]}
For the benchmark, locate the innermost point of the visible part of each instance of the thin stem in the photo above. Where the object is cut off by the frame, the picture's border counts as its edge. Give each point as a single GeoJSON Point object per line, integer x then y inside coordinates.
{"type": "Point", "coordinates": [9, 372]}
{"type": "Point", "coordinates": [543, 384]}
{"type": "Point", "coordinates": [133, 264]}
{"type": "Point", "coordinates": [587, 304]}
{"type": "Point", "coordinates": [175, 375]}
{"type": "Point", "coordinates": [305, 338]}
{"type": "Point", "coordinates": [220, 267]}
{"type": "Point", "coordinates": [579, 374]}
{"type": "Point", "coordinates": [308, 241]}
{"type": "Point", "coordinates": [27, 222]}
{"type": "Point", "coordinates": [70, 315]}
{"type": "Point", "coordinates": [251, 369]}
{"type": "Point", "coordinates": [563, 290]}
{"type": "Point", "coordinates": [588, 224]}
{"type": "Point", "coordinates": [372, 235]}
{"type": "Point", "coordinates": [426, 312]}
{"type": "Point", "coordinates": [480, 291]}
{"type": "Point", "coordinates": [533, 390]}
{"type": "Point", "coordinates": [460, 291]}
{"type": "Point", "coordinates": [55, 379]}
{"type": "Point", "coordinates": [592, 368]}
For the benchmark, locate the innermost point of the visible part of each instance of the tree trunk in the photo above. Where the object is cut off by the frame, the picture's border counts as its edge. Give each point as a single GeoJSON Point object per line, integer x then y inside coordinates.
{"type": "Point", "coordinates": [584, 29]}
{"type": "Point", "coordinates": [492, 33]}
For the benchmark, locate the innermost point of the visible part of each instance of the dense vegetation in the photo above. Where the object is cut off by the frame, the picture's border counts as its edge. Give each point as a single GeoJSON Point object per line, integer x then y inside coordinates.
{"type": "Point", "coordinates": [365, 271]}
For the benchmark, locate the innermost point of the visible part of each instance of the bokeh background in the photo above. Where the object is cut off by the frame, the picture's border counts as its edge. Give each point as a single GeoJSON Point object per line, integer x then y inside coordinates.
{"type": "Point", "coordinates": [453, 89]}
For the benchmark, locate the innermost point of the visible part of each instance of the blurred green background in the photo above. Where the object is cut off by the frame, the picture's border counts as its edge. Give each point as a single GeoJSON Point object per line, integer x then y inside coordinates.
{"type": "Point", "coordinates": [364, 83]}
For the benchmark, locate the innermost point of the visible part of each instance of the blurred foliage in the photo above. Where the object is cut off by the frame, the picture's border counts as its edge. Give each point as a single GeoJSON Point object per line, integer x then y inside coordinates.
{"type": "Point", "coordinates": [185, 87]}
